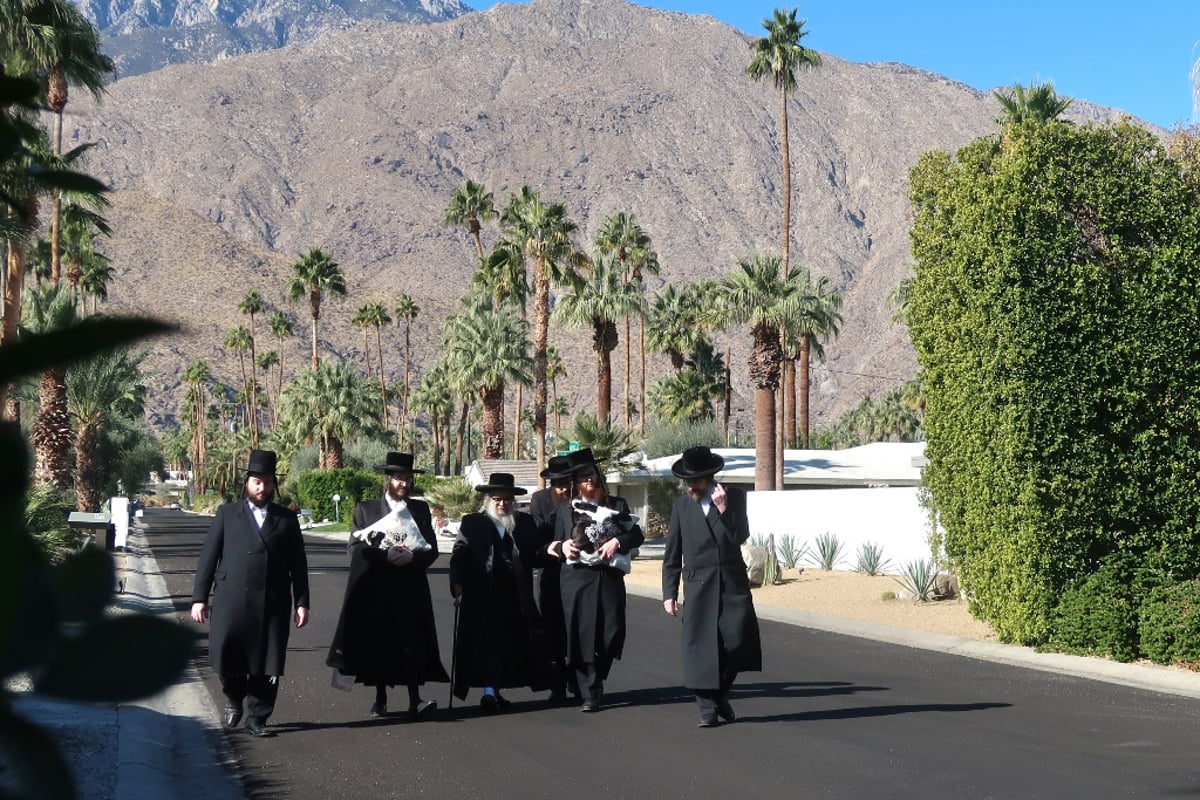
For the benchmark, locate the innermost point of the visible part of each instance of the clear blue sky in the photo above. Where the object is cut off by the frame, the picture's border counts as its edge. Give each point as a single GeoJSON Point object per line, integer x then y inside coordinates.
{"type": "Point", "coordinates": [1134, 56]}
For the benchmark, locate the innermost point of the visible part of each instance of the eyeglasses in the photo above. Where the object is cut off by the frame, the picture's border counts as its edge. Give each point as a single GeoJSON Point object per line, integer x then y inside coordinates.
{"type": "Point", "coordinates": [502, 499]}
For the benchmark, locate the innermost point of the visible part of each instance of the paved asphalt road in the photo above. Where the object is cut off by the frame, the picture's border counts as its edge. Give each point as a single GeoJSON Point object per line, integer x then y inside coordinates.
{"type": "Point", "coordinates": [831, 716]}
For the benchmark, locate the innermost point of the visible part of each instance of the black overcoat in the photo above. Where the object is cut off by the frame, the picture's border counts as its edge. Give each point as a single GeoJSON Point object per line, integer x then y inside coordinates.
{"type": "Point", "coordinates": [257, 579]}
{"type": "Point", "coordinates": [497, 617]}
{"type": "Point", "coordinates": [593, 597]}
{"type": "Point", "coordinates": [706, 550]}
{"type": "Point", "coordinates": [386, 632]}
{"type": "Point", "coordinates": [548, 589]}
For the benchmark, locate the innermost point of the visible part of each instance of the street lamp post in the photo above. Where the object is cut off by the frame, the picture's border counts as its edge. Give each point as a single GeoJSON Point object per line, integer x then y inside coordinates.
{"type": "Point", "coordinates": [337, 511]}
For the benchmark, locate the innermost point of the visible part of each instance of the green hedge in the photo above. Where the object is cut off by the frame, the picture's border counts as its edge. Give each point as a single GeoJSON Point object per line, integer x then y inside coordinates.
{"type": "Point", "coordinates": [1169, 624]}
{"type": "Point", "coordinates": [1097, 617]}
{"type": "Point", "coordinates": [315, 491]}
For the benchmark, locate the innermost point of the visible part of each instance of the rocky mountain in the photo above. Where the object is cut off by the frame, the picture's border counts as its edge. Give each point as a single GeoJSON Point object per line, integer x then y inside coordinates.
{"type": "Point", "coordinates": [144, 35]}
{"type": "Point", "coordinates": [224, 173]}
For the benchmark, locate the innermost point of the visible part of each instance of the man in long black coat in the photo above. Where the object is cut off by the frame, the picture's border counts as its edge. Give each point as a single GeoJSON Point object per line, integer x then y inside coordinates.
{"type": "Point", "coordinates": [720, 629]}
{"type": "Point", "coordinates": [491, 573]}
{"type": "Point", "coordinates": [386, 635]}
{"type": "Point", "coordinates": [593, 594]}
{"type": "Point", "coordinates": [543, 507]}
{"type": "Point", "coordinates": [254, 564]}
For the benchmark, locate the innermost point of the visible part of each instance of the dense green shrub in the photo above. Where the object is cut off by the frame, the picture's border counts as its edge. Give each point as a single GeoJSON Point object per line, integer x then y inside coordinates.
{"type": "Point", "coordinates": [668, 439]}
{"type": "Point", "coordinates": [1097, 617]}
{"type": "Point", "coordinates": [1169, 624]}
{"type": "Point", "coordinates": [1053, 311]}
{"type": "Point", "coordinates": [315, 491]}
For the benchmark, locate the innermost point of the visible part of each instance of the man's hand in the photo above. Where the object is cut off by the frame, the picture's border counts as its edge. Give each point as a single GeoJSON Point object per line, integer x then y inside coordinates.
{"type": "Point", "coordinates": [609, 549]}
{"type": "Point", "coordinates": [399, 556]}
{"type": "Point", "coordinates": [301, 616]}
{"type": "Point", "coordinates": [671, 607]}
{"type": "Point", "coordinates": [719, 498]}
{"type": "Point", "coordinates": [200, 612]}
{"type": "Point", "coordinates": [570, 549]}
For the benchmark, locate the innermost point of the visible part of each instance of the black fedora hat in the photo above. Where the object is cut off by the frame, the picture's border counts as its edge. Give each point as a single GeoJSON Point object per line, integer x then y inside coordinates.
{"type": "Point", "coordinates": [698, 462]}
{"type": "Point", "coordinates": [557, 467]}
{"type": "Point", "coordinates": [398, 462]}
{"type": "Point", "coordinates": [582, 458]}
{"type": "Point", "coordinates": [501, 482]}
{"type": "Point", "coordinates": [262, 462]}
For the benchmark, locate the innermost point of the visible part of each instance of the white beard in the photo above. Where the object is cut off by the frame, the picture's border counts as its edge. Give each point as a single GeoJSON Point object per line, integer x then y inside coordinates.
{"type": "Point", "coordinates": [506, 521]}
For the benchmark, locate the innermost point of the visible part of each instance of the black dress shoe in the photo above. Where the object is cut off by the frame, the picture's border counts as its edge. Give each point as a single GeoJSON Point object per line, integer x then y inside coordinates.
{"type": "Point", "coordinates": [230, 716]}
{"type": "Point", "coordinates": [708, 722]}
{"type": "Point", "coordinates": [256, 727]}
{"type": "Point", "coordinates": [590, 705]}
{"type": "Point", "coordinates": [419, 711]}
{"type": "Point", "coordinates": [378, 709]}
{"type": "Point", "coordinates": [724, 710]}
{"type": "Point", "coordinates": [557, 696]}
{"type": "Point", "coordinates": [503, 701]}
{"type": "Point", "coordinates": [489, 704]}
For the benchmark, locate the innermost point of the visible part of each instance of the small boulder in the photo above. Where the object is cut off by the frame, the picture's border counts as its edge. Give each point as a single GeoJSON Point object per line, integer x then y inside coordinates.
{"type": "Point", "coordinates": [756, 559]}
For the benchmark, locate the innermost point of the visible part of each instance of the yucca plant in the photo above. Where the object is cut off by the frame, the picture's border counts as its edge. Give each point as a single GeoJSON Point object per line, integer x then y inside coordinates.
{"type": "Point", "coordinates": [828, 550]}
{"type": "Point", "coordinates": [791, 551]}
{"type": "Point", "coordinates": [870, 560]}
{"type": "Point", "coordinates": [771, 563]}
{"type": "Point", "coordinates": [919, 578]}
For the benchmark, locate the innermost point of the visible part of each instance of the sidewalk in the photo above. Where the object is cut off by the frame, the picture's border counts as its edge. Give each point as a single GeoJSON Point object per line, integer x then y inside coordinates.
{"type": "Point", "coordinates": [167, 747]}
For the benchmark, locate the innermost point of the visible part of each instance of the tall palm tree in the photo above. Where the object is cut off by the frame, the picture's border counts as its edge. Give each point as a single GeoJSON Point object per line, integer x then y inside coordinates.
{"type": "Point", "coordinates": [81, 223]}
{"type": "Point", "coordinates": [238, 341]}
{"type": "Point", "coordinates": [332, 405]}
{"type": "Point", "coordinates": [488, 348]}
{"type": "Point", "coordinates": [253, 304]}
{"type": "Point", "coordinates": [755, 294]}
{"type": "Point", "coordinates": [281, 328]}
{"type": "Point", "coordinates": [97, 272]}
{"type": "Point", "coordinates": [361, 321]}
{"type": "Point", "coordinates": [315, 274]}
{"type": "Point", "coordinates": [620, 235]}
{"type": "Point", "coordinates": [98, 389]}
{"type": "Point", "coordinates": [406, 311]}
{"type": "Point", "coordinates": [50, 310]}
{"type": "Point", "coordinates": [599, 302]}
{"type": "Point", "coordinates": [543, 235]}
{"type": "Point", "coordinates": [674, 324]}
{"type": "Point", "coordinates": [814, 316]}
{"type": "Point", "coordinates": [267, 362]}
{"type": "Point", "coordinates": [376, 317]}
{"type": "Point", "coordinates": [434, 396]}
{"type": "Point", "coordinates": [555, 370]}
{"type": "Point", "coordinates": [197, 376]}
{"type": "Point", "coordinates": [1039, 104]}
{"type": "Point", "coordinates": [778, 56]}
{"type": "Point", "coordinates": [471, 204]}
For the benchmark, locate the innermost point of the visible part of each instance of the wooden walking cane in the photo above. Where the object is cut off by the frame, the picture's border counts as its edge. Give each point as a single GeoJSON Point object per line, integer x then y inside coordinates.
{"type": "Point", "coordinates": [454, 649]}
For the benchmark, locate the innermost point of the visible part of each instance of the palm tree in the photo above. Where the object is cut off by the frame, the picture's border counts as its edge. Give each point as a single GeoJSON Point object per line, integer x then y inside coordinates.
{"type": "Point", "coordinates": [777, 56]}
{"type": "Point", "coordinates": [80, 226]}
{"type": "Point", "coordinates": [281, 327]}
{"type": "Point", "coordinates": [406, 311]}
{"type": "Point", "coordinates": [815, 316]}
{"type": "Point", "coordinates": [252, 304]}
{"type": "Point", "coordinates": [674, 324]}
{"type": "Point", "coordinates": [471, 204]}
{"type": "Point", "coordinates": [620, 235]}
{"type": "Point", "coordinates": [754, 293]}
{"type": "Point", "coordinates": [197, 376]}
{"type": "Point", "coordinates": [487, 349]}
{"type": "Point", "coordinates": [360, 320]}
{"type": "Point", "coordinates": [433, 395]}
{"type": "Point", "coordinates": [599, 302]}
{"type": "Point", "coordinates": [376, 316]}
{"type": "Point", "coordinates": [45, 311]}
{"type": "Point", "coordinates": [332, 405]}
{"type": "Point", "coordinates": [555, 370]}
{"type": "Point", "coordinates": [108, 385]}
{"type": "Point", "coordinates": [97, 272]}
{"type": "Point", "coordinates": [543, 234]}
{"type": "Point", "coordinates": [238, 341]}
{"type": "Point", "coordinates": [315, 274]}
{"type": "Point", "coordinates": [266, 362]}
{"type": "Point", "coordinates": [1039, 104]}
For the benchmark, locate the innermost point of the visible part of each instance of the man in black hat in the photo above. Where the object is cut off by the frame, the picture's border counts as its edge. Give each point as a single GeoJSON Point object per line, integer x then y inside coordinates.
{"type": "Point", "coordinates": [543, 506]}
{"type": "Point", "coordinates": [593, 588]}
{"type": "Point", "coordinates": [254, 564]}
{"type": "Point", "coordinates": [386, 635]}
{"type": "Point", "coordinates": [491, 572]}
{"type": "Point", "coordinates": [720, 629]}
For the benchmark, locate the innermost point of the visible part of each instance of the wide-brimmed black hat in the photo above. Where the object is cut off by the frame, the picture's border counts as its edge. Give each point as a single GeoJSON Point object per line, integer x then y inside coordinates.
{"type": "Point", "coordinates": [582, 458]}
{"type": "Point", "coordinates": [261, 462]}
{"type": "Point", "coordinates": [397, 462]}
{"type": "Point", "coordinates": [698, 462]}
{"type": "Point", "coordinates": [557, 467]}
{"type": "Point", "coordinates": [501, 482]}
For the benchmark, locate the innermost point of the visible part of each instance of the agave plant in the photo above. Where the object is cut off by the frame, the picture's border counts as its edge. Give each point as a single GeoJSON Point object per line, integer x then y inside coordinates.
{"type": "Point", "coordinates": [869, 559]}
{"type": "Point", "coordinates": [828, 550]}
{"type": "Point", "coordinates": [919, 579]}
{"type": "Point", "coordinates": [791, 551]}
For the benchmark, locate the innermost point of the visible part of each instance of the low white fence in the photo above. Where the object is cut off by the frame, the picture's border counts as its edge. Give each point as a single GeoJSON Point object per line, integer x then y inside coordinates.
{"type": "Point", "coordinates": [890, 517]}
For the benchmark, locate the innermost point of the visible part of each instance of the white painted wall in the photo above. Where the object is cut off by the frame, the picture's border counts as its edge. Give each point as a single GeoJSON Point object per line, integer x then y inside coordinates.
{"type": "Point", "coordinates": [891, 517]}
